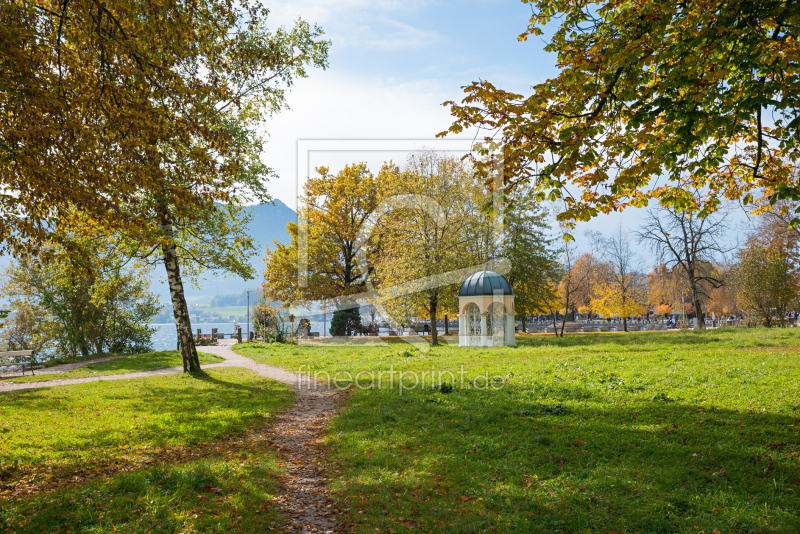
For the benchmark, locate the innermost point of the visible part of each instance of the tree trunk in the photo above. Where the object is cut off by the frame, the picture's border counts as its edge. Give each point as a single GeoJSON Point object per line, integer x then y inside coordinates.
{"type": "Point", "coordinates": [524, 330]}
{"type": "Point", "coordinates": [446, 325]}
{"type": "Point", "coordinates": [434, 333]}
{"type": "Point", "coordinates": [624, 324]}
{"type": "Point", "coordinates": [566, 308]}
{"type": "Point", "coordinates": [191, 362]}
{"type": "Point", "coordinates": [698, 312]}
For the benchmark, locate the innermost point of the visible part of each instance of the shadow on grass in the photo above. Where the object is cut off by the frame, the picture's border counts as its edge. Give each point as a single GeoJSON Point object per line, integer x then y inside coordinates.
{"type": "Point", "coordinates": [516, 461]}
{"type": "Point", "coordinates": [75, 427]}
{"type": "Point", "coordinates": [219, 495]}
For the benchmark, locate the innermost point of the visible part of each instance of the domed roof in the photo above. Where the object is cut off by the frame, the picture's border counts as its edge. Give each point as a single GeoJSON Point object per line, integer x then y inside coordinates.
{"type": "Point", "coordinates": [485, 283]}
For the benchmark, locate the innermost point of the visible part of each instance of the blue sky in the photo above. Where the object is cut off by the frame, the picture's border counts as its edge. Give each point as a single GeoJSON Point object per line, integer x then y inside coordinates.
{"type": "Point", "coordinates": [392, 65]}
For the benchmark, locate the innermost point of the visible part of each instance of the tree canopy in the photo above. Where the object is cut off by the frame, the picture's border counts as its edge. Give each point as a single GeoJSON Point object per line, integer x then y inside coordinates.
{"type": "Point", "coordinates": [651, 96]}
{"type": "Point", "coordinates": [332, 211]}
{"type": "Point", "coordinates": [119, 107]}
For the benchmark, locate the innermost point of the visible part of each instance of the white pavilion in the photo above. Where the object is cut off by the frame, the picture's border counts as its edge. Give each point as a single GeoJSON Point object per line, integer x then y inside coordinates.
{"type": "Point", "coordinates": [486, 311]}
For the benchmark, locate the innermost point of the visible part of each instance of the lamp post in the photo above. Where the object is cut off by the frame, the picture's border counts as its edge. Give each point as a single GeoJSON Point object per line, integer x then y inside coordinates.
{"type": "Point", "coordinates": [248, 316]}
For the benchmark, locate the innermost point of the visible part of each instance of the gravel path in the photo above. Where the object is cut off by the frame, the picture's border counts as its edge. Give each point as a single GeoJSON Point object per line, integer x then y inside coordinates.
{"type": "Point", "coordinates": [299, 431]}
{"type": "Point", "coordinates": [13, 386]}
{"type": "Point", "coordinates": [63, 368]}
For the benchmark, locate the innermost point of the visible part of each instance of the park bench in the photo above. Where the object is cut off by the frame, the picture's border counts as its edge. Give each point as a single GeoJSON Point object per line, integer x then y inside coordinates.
{"type": "Point", "coordinates": [24, 357]}
{"type": "Point", "coordinates": [366, 331]}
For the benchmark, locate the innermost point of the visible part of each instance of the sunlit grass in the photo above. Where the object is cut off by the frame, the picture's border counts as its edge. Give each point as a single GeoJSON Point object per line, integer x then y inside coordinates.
{"type": "Point", "coordinates": [645, 432]}
{"type": "Point", "coordinates": [159, 454]}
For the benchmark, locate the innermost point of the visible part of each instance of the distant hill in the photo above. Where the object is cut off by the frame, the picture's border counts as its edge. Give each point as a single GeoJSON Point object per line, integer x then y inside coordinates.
{"type": "Point", "coordinates": [269, 223]}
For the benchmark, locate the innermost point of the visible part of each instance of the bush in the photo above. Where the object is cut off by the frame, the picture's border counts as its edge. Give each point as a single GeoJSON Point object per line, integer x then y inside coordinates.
{"type": "Point", "coordinates": [269, 322]}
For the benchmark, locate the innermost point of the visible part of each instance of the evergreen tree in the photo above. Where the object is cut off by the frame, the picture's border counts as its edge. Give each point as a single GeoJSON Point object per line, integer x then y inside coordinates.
{"type": "Point", "coordinates": [532, 253]}
{"type": "Point", "coordinates": [345, 322]}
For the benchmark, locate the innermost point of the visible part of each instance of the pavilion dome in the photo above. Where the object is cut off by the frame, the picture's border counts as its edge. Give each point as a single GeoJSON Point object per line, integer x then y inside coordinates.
{"type": "Point", "coordinates": [485, 283]}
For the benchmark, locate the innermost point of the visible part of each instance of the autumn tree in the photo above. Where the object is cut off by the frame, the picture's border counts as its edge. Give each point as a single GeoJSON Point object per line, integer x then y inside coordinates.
{"type": "Point", "coordinates": [581, 299]}
{"type": "Point", "coordinates": [663, 310]}
{"type": "Point", "coordinates": [31, 327]}
{"type": "Point", "coordinates": [321, 261]}
{"type": "Point", "coordinates": [436, 227]}
{"type": "Point", "coordinates": [691, 243]}
{"type": "Point", "coordinates": [722, 299]}
{"type": "Point", "coordinates": [574, 279]}
{"type": "Point", "coordinates": [766, 282]}
{"type": "Point", "coordinates": [691, 93]}
{"type": "Point", "coordinates": [766, 278]}
{"type": "Point", "coordinates": [80, 312]}
{"type": "Point", "coordinates": [620, 287]}
{"type": "Point", "coordinates": [143, 116]}
{"type": "Point", "coordinates": [663, 284]}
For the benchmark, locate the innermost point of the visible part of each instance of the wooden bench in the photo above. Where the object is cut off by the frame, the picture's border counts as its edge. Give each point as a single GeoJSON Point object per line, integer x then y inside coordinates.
{"type": "Point", "coordinates": [26, 358]}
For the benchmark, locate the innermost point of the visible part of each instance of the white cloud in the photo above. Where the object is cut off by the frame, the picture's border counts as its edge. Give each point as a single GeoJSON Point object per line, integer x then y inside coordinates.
{"type": "Point", "coordinates": [331, 105]}
{"type": "Point", "coordinates": [359, 23]}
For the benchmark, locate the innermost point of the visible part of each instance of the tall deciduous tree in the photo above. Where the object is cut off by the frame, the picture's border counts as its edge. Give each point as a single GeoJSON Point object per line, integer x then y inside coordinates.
{"type": "Point", "coordinates": [705, 94]}
{"type": "Point", "coordinates": [334, 211]}
{"type": "Point", "coordinates": [766, 278]}
{"type": "Point", "coordinates": [531, 251]}
{"type": "Point", "coordinates": [436, 227]}
{"type": "Point", "coordinates": [142, 116]}
{"type": "Point", "coordinates": [576, 276]}
{"type": "Point", "coordinates": [620, 287]}
{"type": "Point", "coordinates": [107, 309]}
{"type": "Point", "coordinates": [691, 243]}
{"type": "Point", "coordinates": [766, 282]}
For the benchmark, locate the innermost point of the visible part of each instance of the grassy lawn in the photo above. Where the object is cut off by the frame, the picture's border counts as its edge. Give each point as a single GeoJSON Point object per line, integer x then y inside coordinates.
{"type": "Point", "coordinates": [132, 363]}
{"type": "Point", "coordinates": [160, 454]}
{"type": "Point", "coordinates": [77, 359]}
{"type": "Point", "coordinates": [644, 432]}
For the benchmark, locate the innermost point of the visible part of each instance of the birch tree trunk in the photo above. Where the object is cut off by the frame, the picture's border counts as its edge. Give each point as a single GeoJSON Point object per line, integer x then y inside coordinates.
{"type": "Point", "coordinates": [191, 362]}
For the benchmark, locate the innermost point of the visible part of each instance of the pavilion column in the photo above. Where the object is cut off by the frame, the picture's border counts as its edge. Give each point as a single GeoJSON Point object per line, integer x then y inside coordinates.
{"type": "Point", "coordinates": [463, 335]}
{"type": "Point", "coordinates": [484, 331]}
{"type": "Point", "coordinates": [510, 337]}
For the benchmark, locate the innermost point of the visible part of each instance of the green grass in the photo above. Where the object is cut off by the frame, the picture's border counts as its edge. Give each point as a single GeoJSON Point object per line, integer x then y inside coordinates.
{"type": "Point", "coordinates": [132, 363]}
{"type": "Point", "coordinates": [76, 359]}
{"type": "Point", "coordinates": [645, 432]}
{"type": "Point", "coordinates": [234, 494]}
{"type": "Point", "coordinates": [187, 439]}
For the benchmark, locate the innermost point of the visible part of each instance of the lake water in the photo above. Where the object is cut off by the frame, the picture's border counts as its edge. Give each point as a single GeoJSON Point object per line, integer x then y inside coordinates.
{"type": "Point", "coordinates": [166, 337]}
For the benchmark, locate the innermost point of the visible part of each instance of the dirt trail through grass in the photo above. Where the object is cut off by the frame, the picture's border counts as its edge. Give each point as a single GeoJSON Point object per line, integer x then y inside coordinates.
{"type": "Point", "coordinates": [298, 432]}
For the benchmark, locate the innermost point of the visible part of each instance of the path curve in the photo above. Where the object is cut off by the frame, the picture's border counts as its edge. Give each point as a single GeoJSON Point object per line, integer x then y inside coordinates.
{"type": "Point", "coordinates": [63, 368]}
{"type": "Point", "coordinates": [298, 432]}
